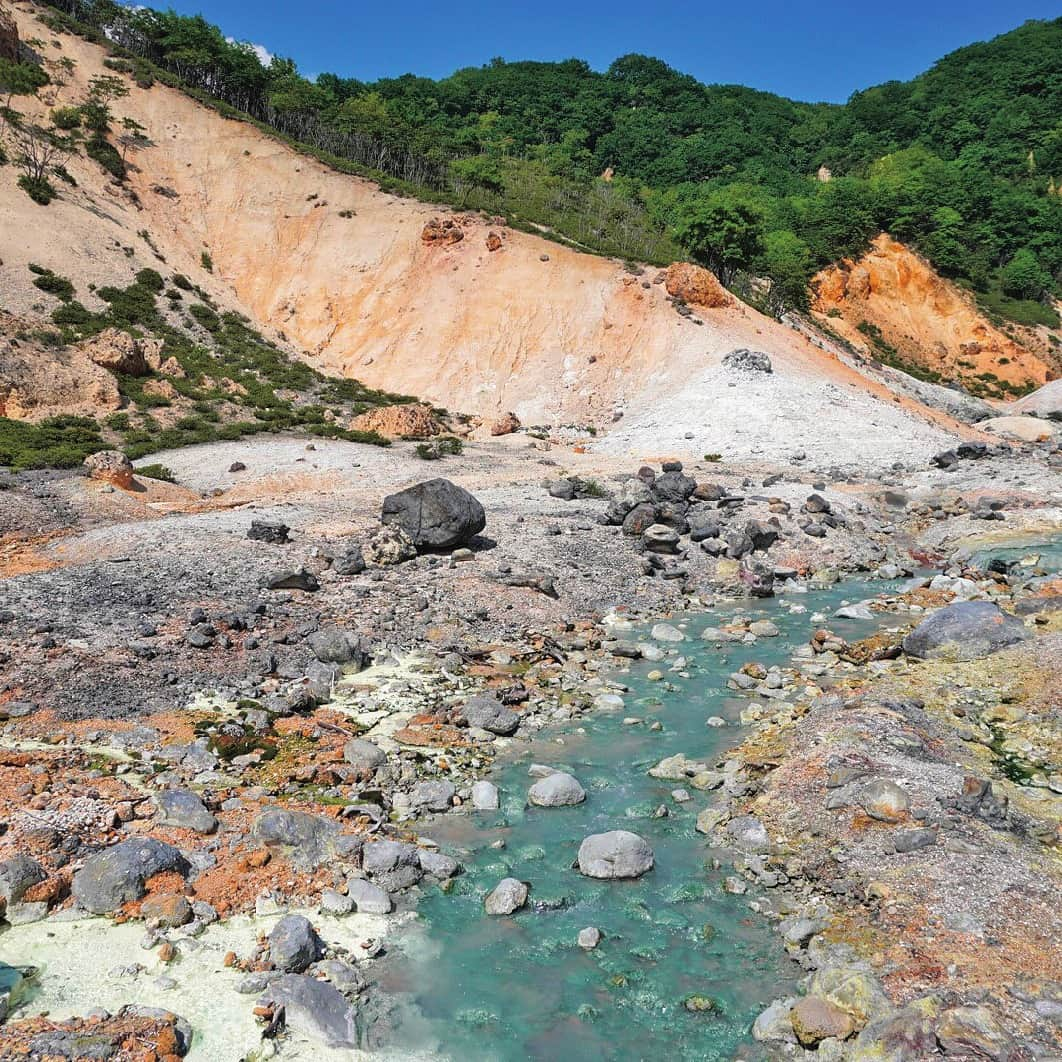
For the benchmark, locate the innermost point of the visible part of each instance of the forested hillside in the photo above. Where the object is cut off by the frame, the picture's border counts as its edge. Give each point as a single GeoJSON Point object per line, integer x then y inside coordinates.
{"type": "Point", "coordinates": [963, 162]}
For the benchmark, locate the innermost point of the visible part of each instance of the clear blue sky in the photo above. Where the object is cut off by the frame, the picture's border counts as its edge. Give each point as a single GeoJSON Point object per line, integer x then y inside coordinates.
{"type": "Point", "coordinates": [822, 50]}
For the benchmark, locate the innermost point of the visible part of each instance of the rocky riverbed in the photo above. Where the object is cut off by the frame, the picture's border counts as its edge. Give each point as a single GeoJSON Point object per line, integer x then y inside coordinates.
{"type": "Point", "coordinates": [248, 694]}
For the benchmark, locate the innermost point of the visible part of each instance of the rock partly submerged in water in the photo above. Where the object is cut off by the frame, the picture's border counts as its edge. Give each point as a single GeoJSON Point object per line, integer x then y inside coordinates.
{"type": "Point", "coordinates": [508, 896]}
{"type": "Point", "coordinates": [556, 790]}
{"type": "Point", "coordinates": [616, 854]}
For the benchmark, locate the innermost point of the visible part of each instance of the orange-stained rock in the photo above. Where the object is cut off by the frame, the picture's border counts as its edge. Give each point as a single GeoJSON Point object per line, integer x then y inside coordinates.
{"type": "Point", "coordinates": [695, 285]}
{"type": "Point", "coordinates": [494, 241]}
{"type": "Point", "coordinates": [440, 232]}
{"type": "Point", "coordinates": [928, 320]}
{"type": "Point", "coordinates": [505, 425]}
{"type": "Point", "coordinates": [110, 466]}
{"type": "Point", "coordinates": [411, 418]}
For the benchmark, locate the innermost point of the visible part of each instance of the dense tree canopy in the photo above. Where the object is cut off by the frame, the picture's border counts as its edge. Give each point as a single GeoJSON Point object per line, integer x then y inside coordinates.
{"type": "Point", "coordinates": [964, 161]}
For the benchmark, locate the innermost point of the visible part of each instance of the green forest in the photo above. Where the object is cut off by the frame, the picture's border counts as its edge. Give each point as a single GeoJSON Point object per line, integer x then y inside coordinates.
{"type": "Point", "coordinates": [643, 162]}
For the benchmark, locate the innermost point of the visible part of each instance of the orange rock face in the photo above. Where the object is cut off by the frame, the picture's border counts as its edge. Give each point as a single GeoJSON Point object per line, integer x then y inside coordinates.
{"type": "Point", "coordinates": [927, 320]}
{"type": "Point", "coordinates": [695, 285]}
{"type": "Point", "coordinates": [395, 421]}
{"type": "Point", "coordinates": [440, 232]}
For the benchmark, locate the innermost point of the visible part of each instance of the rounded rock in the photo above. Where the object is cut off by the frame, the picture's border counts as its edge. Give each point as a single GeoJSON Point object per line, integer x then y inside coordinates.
{"type": "Point", "coordinates": [556, 791]}
{"type": "Point", "coordinates": [616, 854]}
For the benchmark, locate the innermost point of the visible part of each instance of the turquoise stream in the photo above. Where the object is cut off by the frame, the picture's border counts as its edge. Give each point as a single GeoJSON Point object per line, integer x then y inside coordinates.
{"type": "Point", "coordinates": [519, 987]}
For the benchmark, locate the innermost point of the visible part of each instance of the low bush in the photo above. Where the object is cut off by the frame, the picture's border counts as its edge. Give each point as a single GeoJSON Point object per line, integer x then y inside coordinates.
{"type": "Point", "coordinates": [39, 189]}
{"type": "Point", "coordinates": [160, 472]}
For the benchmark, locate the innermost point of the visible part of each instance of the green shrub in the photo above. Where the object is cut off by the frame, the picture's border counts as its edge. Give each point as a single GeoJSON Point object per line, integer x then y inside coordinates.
{"type": "Point", "coordinates": [66, 118]}
{"type": "Point", "coordinates": [150, 279]}
{"type": "Point", "coordinates": [182, 282]}
{"type": "Point", "coordinates": [206, 261]}
{"type": "Point", "coordinates": [205, 316]}
{"type": "Point", "coordinates": [1028, 312]}
{"type": "Point", "coordinates": [57, 442]}
{"type": "Point", "coordinates": [39, 189]}
{"type": "Point", "coordinates": [446, 446]}
{"type": "Point", "coordinates": [157, 472]}
{"type": "Point", "coordinates": [100, 151]}
{"type": "Point", "coordinates": [58, 286]}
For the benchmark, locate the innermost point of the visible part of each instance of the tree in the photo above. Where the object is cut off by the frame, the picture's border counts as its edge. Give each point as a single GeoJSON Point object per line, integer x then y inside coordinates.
{"type": "Point", "coordinates": [132, 136]}
{"type": "Point", "coordinates": [478, 171]}
{"type": "Point", "coordinates": [18, 79]}
{"type": "Point", "coordinates": [722, 232]}
{"type": "Point", "coordinates": [787, 260]}
{"type": "Point", "coordinates": [1023, 277]}
{"type": "Point", "coordinates": [37, 153]}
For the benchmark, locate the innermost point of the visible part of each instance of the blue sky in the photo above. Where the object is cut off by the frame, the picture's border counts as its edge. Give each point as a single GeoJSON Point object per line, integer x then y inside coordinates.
{"type": "Point", "coordinates": [821, 50]}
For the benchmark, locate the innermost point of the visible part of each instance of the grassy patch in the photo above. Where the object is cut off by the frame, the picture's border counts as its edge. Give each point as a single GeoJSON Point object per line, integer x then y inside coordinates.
{"type": "Point", "coordinates": [58, 442]}
{"type": "Point", "coordinates": [156, 471]}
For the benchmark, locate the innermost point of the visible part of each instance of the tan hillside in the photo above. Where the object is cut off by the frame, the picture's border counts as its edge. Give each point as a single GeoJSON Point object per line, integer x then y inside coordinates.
{"type": "Point", "coordinates": [382, 289]}
{"type": "Point", "coordinates": [927, 319]}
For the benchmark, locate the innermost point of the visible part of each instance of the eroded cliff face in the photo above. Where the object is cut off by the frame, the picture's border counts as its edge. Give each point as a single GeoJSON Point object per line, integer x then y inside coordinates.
{"type": "Point", "coordinates": [453, 308]}
{"type": "Point", "coordinates": [926, 319]}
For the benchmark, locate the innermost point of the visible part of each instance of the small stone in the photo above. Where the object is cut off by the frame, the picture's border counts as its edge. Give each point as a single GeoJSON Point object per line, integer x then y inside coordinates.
{"type": "Point", "coordinates": [589, 938]}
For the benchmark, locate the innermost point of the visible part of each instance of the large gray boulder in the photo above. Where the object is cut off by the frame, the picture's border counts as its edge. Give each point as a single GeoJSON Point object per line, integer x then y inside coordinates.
{"type": "Point", "coordinates": [307, 840]}
{"type": "Point", "coordinates": [745, 360]}
{"type": "Point", "coordinates": [17, 876]}
{"type": "Point", "coordinates": [294, 944]}
{"type": "Point", "coordinates": [672, 487]}
{"type": "Point", "coordinates": [334, 646]}
{"type": "Point", "coordinates": [116, 875]}
{"type": "Point", "coordinates": [507, 896]}
{"type": "Point", "coordinates": [438, 864]}
{"type": "Point", "coordinates": [485, 796]}
{"type": "Point", "coordinates": [315, 1008]}
{"type": "Point", "coordinates": [434, 795]}
{"type": "Point", "coordinates": [488, 713]}
{"type": "Point", "coordinates": [183, 809]}
{"type": "Point", "coordinates": [967, 629]}
{"type": "Point", "coordinates": [437, 514]}
{"type": "Point", "coordinates": [368, 898]}
{"type": "Point", "coordinates": [617, 854]}
{"type": "Point", "coordinates": [556, 790]}
{"type": "Point", "coordinates": [364, 755]}
{"type": "Point", "coordinates": [393, 865]}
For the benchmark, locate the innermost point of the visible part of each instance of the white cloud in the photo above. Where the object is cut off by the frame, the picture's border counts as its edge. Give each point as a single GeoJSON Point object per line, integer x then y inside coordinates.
{"type": "Point", "coordinates": [263, 54]}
